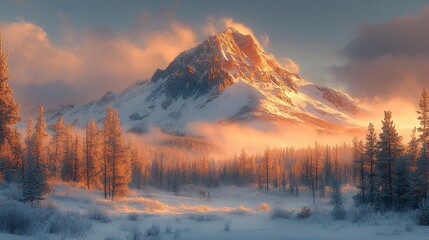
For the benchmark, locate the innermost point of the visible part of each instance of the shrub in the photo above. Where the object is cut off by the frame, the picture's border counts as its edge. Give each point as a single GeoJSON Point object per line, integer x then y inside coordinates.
{"type": "Point", "coordinates": [241, 211]}
{"type": "Point", "coordinates": [133, 217]}
{"type": "Point", "coordinates": [168, 229]}
{"type": "Point", "coordinates": [304, 212]}
{"type": "Point", "coordinates": [264, 207]}
{"type": "Point", "coordinates": [423, 214]}
{"type": "Point", "coordinates": [153, 233]}
{"type": "Point", "coordinates": [339, 213]}
{"type": "Point", "coordinates": [204, 217]}
{"type": "Point", "coordinates": [177, 234]}
{"type": "Point", "coordinates": [361, 213]}
{"type": "Point", "coordinates": [17, 218]}
{"type": "Point", "coordinates": [68, 224]}
{"type": "Point", "coordinates": [227, 226]}
{"type": "Point", "coordinates": [136, 234]}
{"type": "Point", "coordinates": [281, 213]}
{"type": "Point", "coordinates": [99, 216]}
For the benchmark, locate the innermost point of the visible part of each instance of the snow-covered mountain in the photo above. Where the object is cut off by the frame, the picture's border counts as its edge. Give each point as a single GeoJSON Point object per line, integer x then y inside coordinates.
{"type": "Point", "coordinates": [228, 77]}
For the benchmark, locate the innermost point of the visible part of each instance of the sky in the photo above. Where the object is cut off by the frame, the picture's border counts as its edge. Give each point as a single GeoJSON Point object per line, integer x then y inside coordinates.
{"type": "Point", "coordinates": [67, 52]}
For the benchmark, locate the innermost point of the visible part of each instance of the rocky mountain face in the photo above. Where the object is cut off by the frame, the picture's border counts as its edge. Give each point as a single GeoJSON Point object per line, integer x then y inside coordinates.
{"type": "Point", "coordinates": [228, 77]}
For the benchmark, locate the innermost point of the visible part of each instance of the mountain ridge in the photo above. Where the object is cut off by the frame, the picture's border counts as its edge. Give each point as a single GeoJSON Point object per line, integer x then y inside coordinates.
{"type": "Point", "coordinates": [226, 77]}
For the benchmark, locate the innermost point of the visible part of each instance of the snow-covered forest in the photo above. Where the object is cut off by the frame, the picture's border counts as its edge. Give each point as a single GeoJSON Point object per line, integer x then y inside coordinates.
{"type": "Point", "coordinates": [62, 181]}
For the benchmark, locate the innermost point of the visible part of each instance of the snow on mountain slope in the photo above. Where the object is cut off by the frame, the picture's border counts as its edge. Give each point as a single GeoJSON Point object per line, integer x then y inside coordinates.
{"type": "Point", "coordinates": [227, 77]}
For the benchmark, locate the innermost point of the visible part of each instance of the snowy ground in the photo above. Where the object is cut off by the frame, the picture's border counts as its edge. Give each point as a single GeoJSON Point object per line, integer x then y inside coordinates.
{"type": "Point", "coordinates": [193, 217]}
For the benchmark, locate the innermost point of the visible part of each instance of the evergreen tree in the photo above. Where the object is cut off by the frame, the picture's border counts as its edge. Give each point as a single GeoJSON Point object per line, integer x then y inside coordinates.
{"type": "Point", "coordinates": [39, 140]}
{"type": "Point", "coordinates": [93, 154]}
{"type": "Point", "coordinates": [370, 154]}
{"type": "Point", "coordinates": [424, 116]}
{"type": "Point", "coordinates": [34, 184]}
{"type": "Point", "coordinates": [139, 168]}
{"type": "Point", "coordinates": [58, 138]}
{"type": "Point", "coordinates": [361, 172]}
{"type": "Point", "coordinates": [67, 164]}
{"type": "Point", "coordinates": [117, 155]}
{"type": "Point", "coordinates": [356, 157]}
{"type": "Point", "coordinates": [421, 177]}
{"type": "Point", "coordinates": [413, 151]}
{"type": "Point", "coordinates": [9, 109]}
{"type": "Point", "coordinates": [389, 149]}
{"type": "Point", "coordinates": [317, 165]}
{"type": "Point", "coordinates": [402, 183]}
{"type": "Point", "coordinates": [267, 163]}
{"type": "Point", "coordinates": [243, 165]}
{"type": "Point", "coordinates": [338, 211]}
{"type": "Point", "coordinates": [77, 154]}
{"type": "Point", "coordinates": [6, 162]}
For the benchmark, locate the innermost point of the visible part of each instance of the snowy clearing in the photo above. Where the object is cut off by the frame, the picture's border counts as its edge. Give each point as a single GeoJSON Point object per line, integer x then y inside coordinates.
{"type": "Point", "coordinates": [246, 212]}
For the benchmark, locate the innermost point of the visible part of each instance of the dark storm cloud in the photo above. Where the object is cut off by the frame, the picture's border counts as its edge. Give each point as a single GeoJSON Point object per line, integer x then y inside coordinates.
{"type": "Point", "coordinates": [388, 59]}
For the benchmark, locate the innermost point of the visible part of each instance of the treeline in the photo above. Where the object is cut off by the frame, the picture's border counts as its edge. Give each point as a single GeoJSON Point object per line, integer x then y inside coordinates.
{"type": "Point", "coordinates": [388, 173]}
{"type": "Point", "coordinates": [100, 157]}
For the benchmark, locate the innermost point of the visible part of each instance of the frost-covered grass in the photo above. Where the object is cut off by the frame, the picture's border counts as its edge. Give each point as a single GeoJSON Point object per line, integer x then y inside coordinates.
{"type": "Point", "coordinates": [204, 217]}
{"type": "Point", "coordinates": [99, 215]}
{"type": "Point", "coordinates": [230, 213]}
{"type": "Point", "coordinates": [281, 213]}
{"type": "Point", "coordinates": [69, 224]}
{"type": "Point", "coordinates": [18, 218]}
{"type": "Point", "coordinates": [423, 214]}
{"type": "Point", "coordinates": [22, 219]}
{"type": "Point", "coordinates": [241, 211]}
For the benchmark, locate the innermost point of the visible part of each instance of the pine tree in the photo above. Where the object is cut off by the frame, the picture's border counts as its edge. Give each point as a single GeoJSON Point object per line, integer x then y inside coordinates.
{"type": "Point", "coordinates": [11, 157]}
{"type": "Point", "coordinates": [6, 162]}
{"type": "Point", "coordinates": [267, 162]}
{"type": "Point", "coordinates": [389, 149]}
{"type": "Point", "coordinates": [39, 140]}
{"type": "Point", "coordinates": [9, 109]}
{"type": "Point", "coordinates": [424, 116]}
{"type": "Point", "coordinates": [117, 157]}
{"type": "Point", "coordinates": [361, 172]}
{"type": "Point", "coordinates": [67, 164]}
{"type": "Point", "coordinates": [58, 138]}
{"type": "Point", "coordinates": [413, 150]}
{"type": "Point", "coordinates": [203, 170]}
{"type": "Point", "coordinates": [77, 155]}
{"type": "Point", "coordinates": [370, 155]}
{"type": "Point", "coordinates": [402, 183]}
{"type": "Point", "coordinates": [93, 154]}
{"type": "Point", "coordinates": [328, 167]}
{"type": "Point", "coordinates": [421, 177]}
{"type": "Point", "coordinates": [317, 165]}
{"type": "Point", "coordinates": [338, 212]}
{"type": "Point", "coordinates": [34, 184]}
{"type": "Point", "coordinates": [356, 156]}
{"type": "Point", "coordinates": [140, 168]}
{"type": "Point", "coordinates": [243, 166]}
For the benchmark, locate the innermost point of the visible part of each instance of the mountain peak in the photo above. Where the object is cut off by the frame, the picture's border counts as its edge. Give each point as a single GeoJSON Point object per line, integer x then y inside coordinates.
{"type": "Point", "coordinates": [221, 60]}
{"type": "Point", "coordinates": [226, 77]}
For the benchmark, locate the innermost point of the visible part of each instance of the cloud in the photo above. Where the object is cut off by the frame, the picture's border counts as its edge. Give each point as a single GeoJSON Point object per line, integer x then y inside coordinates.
{"type": "Point", "coordinates": [33, 58]}
{"type": "Point", "coordinates": [255, 136]}
{"type": "Point", "coordinates": [388, 60]}
{"type": "Point", "coordinates": [84, 64]}
{"type": "Point", "coordinates": [215, 25]}
{"type": "Point", "coordinates": [290, 65]}
{"type": "Point", "coordinates": [265, 40]}
{"type": "Point", "coordinates": [404, 114]}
